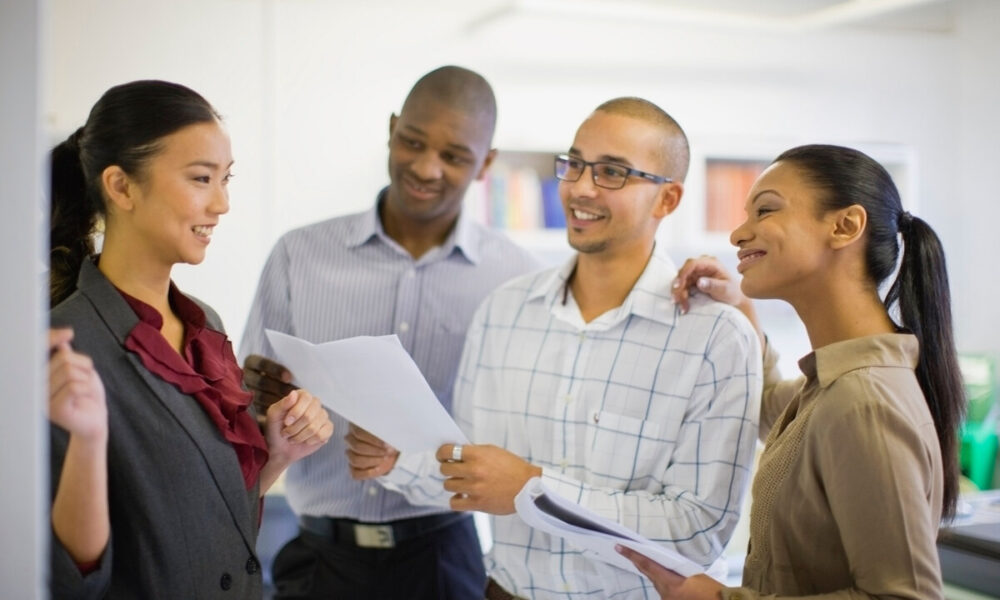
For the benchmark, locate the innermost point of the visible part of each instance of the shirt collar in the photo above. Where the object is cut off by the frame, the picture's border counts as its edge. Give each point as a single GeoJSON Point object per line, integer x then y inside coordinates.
{"type": "Point", "coordinates": [466, 236]}
{"type": "Point", "coordinates": [187, 310]}
{"type": "Point", "coordinates": [650, 297]}
{"type": "Point", "coordinates": [829, 363]}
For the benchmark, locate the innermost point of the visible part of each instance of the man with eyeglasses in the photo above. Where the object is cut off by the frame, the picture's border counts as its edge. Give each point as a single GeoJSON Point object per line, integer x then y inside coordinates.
{"type": "Point", "coordinates": [591, 378]}
{"type": "Point", "coordinates": [415, 265]}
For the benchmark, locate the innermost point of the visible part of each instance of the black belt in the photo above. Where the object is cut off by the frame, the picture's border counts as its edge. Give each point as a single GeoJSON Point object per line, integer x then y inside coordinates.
{"type": "Point", "coordinates": [495, 592]}
{"type": "Point", "coordinates": [377, 535]}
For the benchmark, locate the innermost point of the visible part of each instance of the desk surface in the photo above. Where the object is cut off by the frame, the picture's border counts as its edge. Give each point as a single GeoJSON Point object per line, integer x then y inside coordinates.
{"type": "Point", "coordinates": [952, 592]}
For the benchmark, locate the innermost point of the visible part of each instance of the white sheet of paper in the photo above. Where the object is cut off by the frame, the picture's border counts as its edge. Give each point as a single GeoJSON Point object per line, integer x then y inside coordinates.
{"type": "Point", "coordinates": [543, 509]}
{"type": "Point", "coordinates": [373, 383]}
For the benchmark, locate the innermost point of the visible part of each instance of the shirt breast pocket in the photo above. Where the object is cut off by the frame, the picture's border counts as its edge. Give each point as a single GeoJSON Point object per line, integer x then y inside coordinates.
{"type": "Point", "coordinates": [624, 452]}
{"type": "Point", "coordinates": [442, 355]}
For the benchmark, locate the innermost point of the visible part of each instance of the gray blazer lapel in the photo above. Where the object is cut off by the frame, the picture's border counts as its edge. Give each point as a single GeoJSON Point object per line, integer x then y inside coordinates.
{"type": "Point", "coordinates": [119, 317]}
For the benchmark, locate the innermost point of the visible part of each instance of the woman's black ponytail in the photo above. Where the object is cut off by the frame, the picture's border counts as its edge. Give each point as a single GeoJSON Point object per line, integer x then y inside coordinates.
{"type": "Point", "coordinates": [922, 294]}
{"type": "Point", "coordinates": [74, 218]}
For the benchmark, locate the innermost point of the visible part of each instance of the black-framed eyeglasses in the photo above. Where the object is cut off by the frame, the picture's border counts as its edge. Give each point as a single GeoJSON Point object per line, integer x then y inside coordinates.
{"type": "Point", "coordinates": [608, 175]}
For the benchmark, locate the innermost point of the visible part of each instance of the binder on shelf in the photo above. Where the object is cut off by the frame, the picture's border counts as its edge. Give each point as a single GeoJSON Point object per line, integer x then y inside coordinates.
{"type": "Point", "coordinates": [554, 217]}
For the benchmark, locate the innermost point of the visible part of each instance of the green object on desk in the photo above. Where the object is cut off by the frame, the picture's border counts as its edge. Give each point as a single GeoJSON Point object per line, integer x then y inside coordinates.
{"type": "Point", "coordinates": [978, 452]}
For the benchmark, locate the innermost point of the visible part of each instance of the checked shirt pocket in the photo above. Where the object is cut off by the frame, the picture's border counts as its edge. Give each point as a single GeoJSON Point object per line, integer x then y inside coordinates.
{"type": "Point", "coordinates": [622, 450]}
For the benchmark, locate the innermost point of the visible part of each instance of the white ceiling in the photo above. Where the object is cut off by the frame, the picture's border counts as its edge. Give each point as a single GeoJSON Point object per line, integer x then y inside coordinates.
{"type": "Point", "coordinates": [915, 15]}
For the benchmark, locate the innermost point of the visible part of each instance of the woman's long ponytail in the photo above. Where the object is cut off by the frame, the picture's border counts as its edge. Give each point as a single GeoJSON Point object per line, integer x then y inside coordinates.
{"type": "Point", "coordinates": [922, 294]}
{"type": "Point", "coordinates": [73, 218]}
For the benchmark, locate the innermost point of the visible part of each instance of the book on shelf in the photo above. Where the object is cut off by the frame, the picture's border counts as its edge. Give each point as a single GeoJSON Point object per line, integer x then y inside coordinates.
{"type": "Point", "coordinates": [516, 198]}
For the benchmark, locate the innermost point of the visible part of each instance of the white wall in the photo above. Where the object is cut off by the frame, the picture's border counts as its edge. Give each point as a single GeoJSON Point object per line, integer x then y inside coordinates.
{"type": "Point", "coordinates": [23, 479]}
{"type": "Point", "coordinates": [970, 203]}
{"type": "Point", "coordinates": [307, 88]}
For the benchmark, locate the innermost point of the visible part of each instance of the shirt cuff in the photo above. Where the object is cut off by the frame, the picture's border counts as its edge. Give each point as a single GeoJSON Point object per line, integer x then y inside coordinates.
{"type": "Point", "coordinates": [565, 486]}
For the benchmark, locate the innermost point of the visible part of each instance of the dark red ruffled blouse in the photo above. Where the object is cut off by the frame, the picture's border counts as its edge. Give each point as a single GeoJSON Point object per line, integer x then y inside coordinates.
{"type": "Point", "coordinates": [208, 372]}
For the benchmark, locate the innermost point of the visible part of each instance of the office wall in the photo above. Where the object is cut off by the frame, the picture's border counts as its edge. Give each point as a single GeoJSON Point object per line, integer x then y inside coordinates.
{"type": "Point", "coordinates": [970, 204]}
{"type": "Point", "coordinates": [307, 88]}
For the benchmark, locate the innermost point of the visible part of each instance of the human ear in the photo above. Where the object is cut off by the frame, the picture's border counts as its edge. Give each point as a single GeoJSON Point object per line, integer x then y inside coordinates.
{"type": "Point", "coordinates": [849, 225]}
{"type": "Point", "coordinates": [486, 163]}
{"type": "Point", "coordinates": [119, 188]}
{"type": "Point", "coordinates": [393, 119]}
{"type": "Point", "coordinates": [668, 199]}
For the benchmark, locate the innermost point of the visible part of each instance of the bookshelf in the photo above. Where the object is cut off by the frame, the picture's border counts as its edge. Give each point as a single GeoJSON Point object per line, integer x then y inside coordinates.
{"type": "Point", "coordinates": [519, 195]}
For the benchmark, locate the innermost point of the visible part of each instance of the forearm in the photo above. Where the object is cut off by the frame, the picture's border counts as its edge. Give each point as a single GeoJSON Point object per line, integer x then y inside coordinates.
{"type": "Point", "coordinates": [271, 471]}
{"type": "Point", "coordinates": [80, 511]}
{"type": "Point", "coordinates": [675, 517]}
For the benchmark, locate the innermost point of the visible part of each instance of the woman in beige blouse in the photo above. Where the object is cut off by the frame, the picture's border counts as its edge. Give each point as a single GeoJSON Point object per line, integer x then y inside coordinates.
{"type": "Point", "coordinates": [851, 486]}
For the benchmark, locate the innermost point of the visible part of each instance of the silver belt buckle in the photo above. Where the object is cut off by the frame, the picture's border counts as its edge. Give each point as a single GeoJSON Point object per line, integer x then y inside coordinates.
{"type": "Point", "coordinates": [373, 536]}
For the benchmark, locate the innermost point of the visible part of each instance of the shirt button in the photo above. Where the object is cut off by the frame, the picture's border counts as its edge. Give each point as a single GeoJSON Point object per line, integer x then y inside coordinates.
{"type": "Point", "coordinates": [564, 463]}
{"type": "Point", "coordinates": [404, 326]}
{"type": "Point", "coordinates": [226, 581]}
{"type": "Point", "coordinates": [252, 565]}
{"type": "Point", "coordinates": [373, 491]}
{"type": "Point", "coordinates": [568, 398]}
{"type": "Point", "coordinates": [411, 273]}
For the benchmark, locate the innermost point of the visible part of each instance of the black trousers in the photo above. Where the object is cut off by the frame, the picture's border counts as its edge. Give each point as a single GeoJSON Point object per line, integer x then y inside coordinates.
{"type": "Point", "coordinates": [446, 564]}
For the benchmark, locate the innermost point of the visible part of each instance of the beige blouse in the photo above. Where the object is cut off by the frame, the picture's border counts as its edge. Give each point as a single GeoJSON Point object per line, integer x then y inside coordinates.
{"type": "Point", "coordinates": [847, 497]}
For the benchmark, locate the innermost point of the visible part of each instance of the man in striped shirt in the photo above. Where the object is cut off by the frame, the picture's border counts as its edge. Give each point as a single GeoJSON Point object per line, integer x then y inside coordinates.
{"type": "Point", "coordinates": [415, 266]}
{"type": "Point", "coordinates": [591, 378]}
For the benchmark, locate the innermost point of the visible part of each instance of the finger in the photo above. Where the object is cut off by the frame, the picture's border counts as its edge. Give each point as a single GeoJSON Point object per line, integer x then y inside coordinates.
{"type": "Point", "coordinates": [458, 485]}
{"type": "Point", "coordinates": [723, 290]}
{"type": "Point", "coordinates": [460, 470]}
{"type": "Point", "coordinates": [365, 436]}
{"type": "Point", "coordinates": [371, 473]}
{"type": "Point", "coordinates": [268, 367]}
{"type": "Point", "coordinates": [69, 398]}
{"type": "Point", "coordinates": [266, 385]}
{"type": "Point", "coordinates": [692, 267]}
{"type": "Point", "coordinates": [363, 461]}
{"type": "Point", "coordinates": [66, 367]}
{"type": "Point", "coordinates": [276, 412]}
{"type": "Point", "coordinates": [641, 562]}
{"type": "Point", "coordinates": [709, 286]}
{"type": "Point", "coordinates": [462, 502]}
{"type": "Point", "coordinates": [363, 448]}
{"type": "Point", "coordinates": [681, 296]}
{"type": "Point", "coordinates": [444, 453]}
{"type": "Point", "coordinates": [322, 435]}
{"type": "Point", "coordinates": [60, 337]}
{"type": "Point", "coordinates": [307, 423]}
{"type": "Point", "coordinates": [295, 403]}
{"type": "Point", "coordinates": [363, 474]}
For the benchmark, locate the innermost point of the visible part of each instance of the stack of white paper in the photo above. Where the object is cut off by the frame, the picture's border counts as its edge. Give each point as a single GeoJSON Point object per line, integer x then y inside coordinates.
{"type": "Point", "coordinates": [373, 383]}
{"type": "Point", "coordinates": [543, 509]}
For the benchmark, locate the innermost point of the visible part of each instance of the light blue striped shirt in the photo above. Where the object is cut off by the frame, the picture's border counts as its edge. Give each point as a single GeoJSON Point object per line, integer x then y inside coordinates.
{"type": "Point", "coordinates": [345, 277]}
{"type": "Point", "coordinates": [643, 415]}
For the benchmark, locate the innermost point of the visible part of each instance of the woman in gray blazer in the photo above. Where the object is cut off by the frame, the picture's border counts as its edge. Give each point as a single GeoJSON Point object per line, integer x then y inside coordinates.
{"type": "Point", "coordinates": [161, 497]}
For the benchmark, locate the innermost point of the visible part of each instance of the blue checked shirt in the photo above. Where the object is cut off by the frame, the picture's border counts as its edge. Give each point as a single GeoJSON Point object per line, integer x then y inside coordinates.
{"type": "Point", "coordinates": [345, 277]}
{"type": "Point", "coordinates": [644, 415]}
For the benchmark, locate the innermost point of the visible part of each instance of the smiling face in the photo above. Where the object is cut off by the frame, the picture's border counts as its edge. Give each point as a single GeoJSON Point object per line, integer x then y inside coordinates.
{"type": "Point", "coordinates": [435, 151]}
{"type": "Point", "coordinates": [784, 244]}
{"type": "Point", "coordinates": [176, 202]}
{"type": "Point", "coordinates": [599, 220]}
